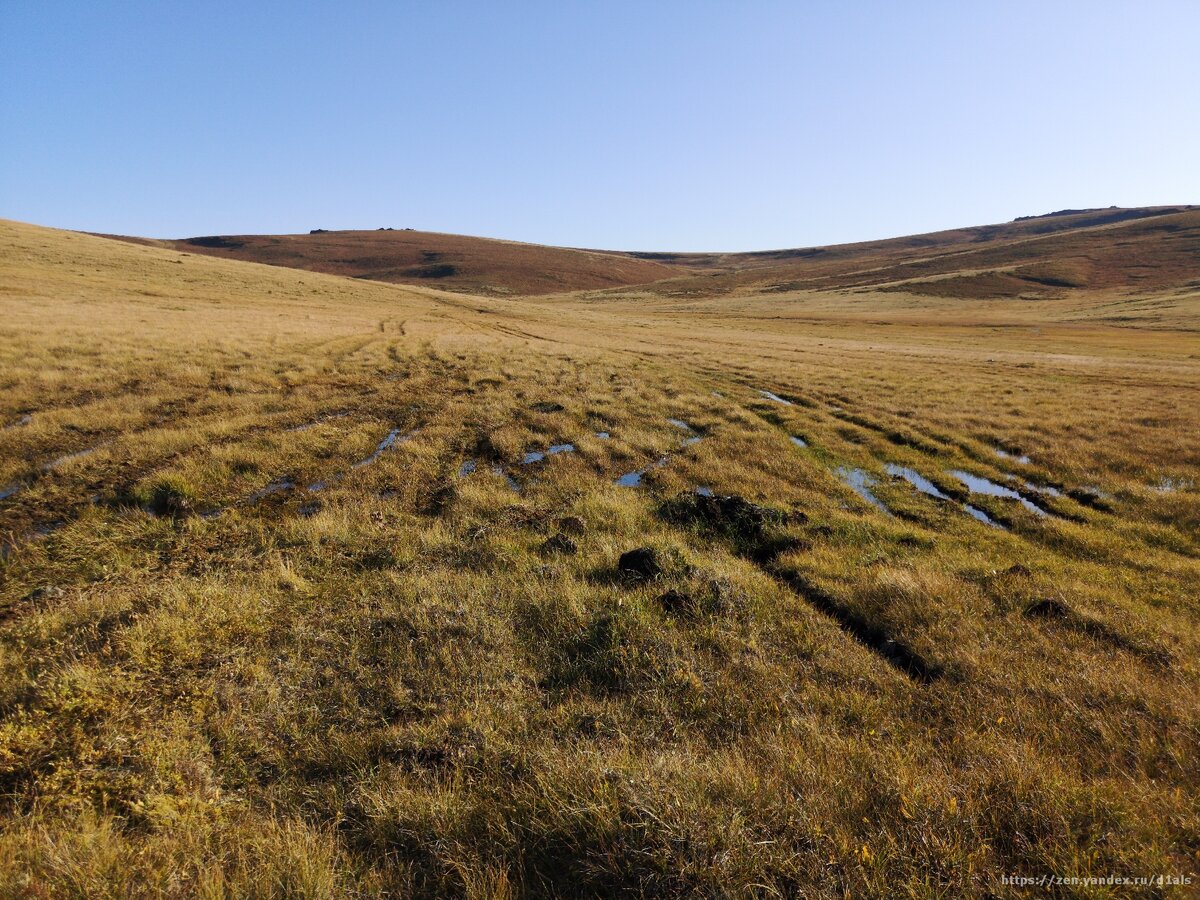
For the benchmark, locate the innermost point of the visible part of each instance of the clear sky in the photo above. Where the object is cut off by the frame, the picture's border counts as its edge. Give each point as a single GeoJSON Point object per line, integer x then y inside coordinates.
{"type": "Point", "coordinates": [651, 125]}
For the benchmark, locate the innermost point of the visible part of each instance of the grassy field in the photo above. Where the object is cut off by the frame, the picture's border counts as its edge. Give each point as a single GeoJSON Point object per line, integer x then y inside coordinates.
{"type": "Point", "coordinates": [314, 586]}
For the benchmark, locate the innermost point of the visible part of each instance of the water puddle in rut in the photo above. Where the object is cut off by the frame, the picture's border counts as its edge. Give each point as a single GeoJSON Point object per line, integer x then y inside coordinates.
{"type": "Point", "coordinates": [917, 480]}
{"type": "Point", "coordinates": [860, 482]}
{"type": "Point", "coordinates": [1016, 457]}
{"type": "Point", "coordinates": [776, 398]}
{"type": "Point", "coordinates": [977, 484]}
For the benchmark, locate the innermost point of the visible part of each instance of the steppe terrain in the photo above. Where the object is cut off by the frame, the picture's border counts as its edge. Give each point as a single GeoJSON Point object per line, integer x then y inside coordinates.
{"type": "Point", "coordinates": [320, 585]}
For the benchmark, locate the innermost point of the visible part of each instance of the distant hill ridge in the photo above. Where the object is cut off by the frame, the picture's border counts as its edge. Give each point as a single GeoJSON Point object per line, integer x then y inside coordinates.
{"type": "Point", "coordinates": [1070, 249]}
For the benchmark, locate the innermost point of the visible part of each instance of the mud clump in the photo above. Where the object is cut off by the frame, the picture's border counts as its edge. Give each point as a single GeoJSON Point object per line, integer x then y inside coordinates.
{"type": "Point", "coordinates": [730, 513]}
{"type": "Point", "coordinates": [559, 543]}
{"type": "Point", "coordinates": [1049, 608]}
{"type": "Point", "coordinates": [754, 531]}
{"type": "Point", "coordinates": [572, 525]}
{"type": "Point", "coordinates": [641, 564]}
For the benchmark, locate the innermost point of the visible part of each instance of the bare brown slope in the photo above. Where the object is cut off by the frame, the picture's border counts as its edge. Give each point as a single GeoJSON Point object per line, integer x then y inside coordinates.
{"type": "Point", "coordinates": [1100, 249]}
{"type": "Point", "coordinates": [1112, 250]}
{"type": "Point", "coordinates": [446, 261]}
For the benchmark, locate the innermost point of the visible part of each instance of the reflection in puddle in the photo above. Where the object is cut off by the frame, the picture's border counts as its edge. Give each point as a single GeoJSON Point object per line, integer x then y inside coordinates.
{"type": "Point", "coordinates": [603, 435]}
{"type": "Point", "coordinates": [704, 491]}
{"type": "Point", "coordinates": [283, 484]}
{"type": "Point", "coordinates": [1017, 457]}
{"type": "Point", "coordinates": [535, 456]}
{"type": "Point", "coordinates": [1042, 489]}
{"type": "Point", "coordinates": [917, 480]}
{"type": "Point", "coordinates": [1171, 485]}
{"type": "Point", "coordinates": [679, 423]}
{"type": "Point", "coordinates": [634, 479]}
{"type": "Point", "coordinates": [776, 398]}
{"type": "Point", "coordinates": [798, 441]}
{"type": "Point", "coordinates": [386, 444]}
{"type": "Point", "coordinates": [69, 457]}
{"type": "Point", "coordinates": [313, 424]}
{"type": "Point", "coordinates": [41, 532]}
{"type": "Point", "coordinates": [981, 515]}
{"type": "Point", "coordinates": [498, 469]}
{"type": "Point", "coordinates": [467, 468]}
{"type": "Point", "coordinates": [978, 485]}
{"type": "Point", "coordinates": [860, 482]}
{"type": "Point", "coordinates": [7, 492]}
{"type": "Point", "coordinates": [393, 438]}
{"type": "Point", "coordinates": [21, 422]}
{"type": "Point", "coordinates": [694, 439]}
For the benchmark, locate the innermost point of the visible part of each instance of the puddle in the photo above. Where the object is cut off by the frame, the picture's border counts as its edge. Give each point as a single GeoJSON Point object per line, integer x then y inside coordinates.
{"type": "Point", "coordinates": [603, 435]}
{"type": "Point", "coordinates": [308, 510]}
{"type": "Point", "coordinates": [979, 485]}
{"type": "Point", "coordinates": [634, 479]}
{"type": "Point", "coordinates": [798, 441]}
{"type": "Point", "coordinates": [776, 398]}
{"type": "Point", "coordinates": [498, 469]}
{"type": "Point", "coordinates": [980, 515]}
{"type": "Point", "coordinates": [1172, 485]}
{"type": "Point", "coordinates": [20, 423]}
{"type": "Point", "coordinates": [68, 457]}
{"type": "Point", "coordinates": [39, 533]}
{"type": "Point", "coordinates": [467, 468]}
{"type": "Point", "coordinates": [1016, 457]}
{"type": "Point", "coordinates": [860, 482]}
{"type": "Point", "coordinates": [7, 492]}
{"type": "Point", "coordinates": [679, 423]}
{"type": "Point", "coordinates": [704, 491]}
{"type": "Point", "coordinates": [536, 456]}
{"type": "Point", "coordinates": [275, 487]}
{"type": "Point", "coordinates": [318, 486]}
{"type": "Point", "coordinates": [386, 444]}
{"type": "Point", "coordinates": [313, 424]}
{"type": "Point", "coordinates": [917, 480]}
{"type": "Point", "coordinates": [1042, 489]}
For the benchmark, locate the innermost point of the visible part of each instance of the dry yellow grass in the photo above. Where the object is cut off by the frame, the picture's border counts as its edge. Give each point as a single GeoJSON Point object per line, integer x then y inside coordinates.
{"type": "Point", "coordinates": [393, 683]}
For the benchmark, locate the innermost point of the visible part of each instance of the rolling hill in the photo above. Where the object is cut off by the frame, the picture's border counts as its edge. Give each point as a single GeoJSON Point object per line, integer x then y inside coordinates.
{"type": "Point", "coordinates": [1153, 248]}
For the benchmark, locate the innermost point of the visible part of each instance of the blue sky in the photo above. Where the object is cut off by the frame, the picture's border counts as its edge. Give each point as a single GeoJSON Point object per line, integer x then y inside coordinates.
{"type": "Point", "coordinates": [686, 126]}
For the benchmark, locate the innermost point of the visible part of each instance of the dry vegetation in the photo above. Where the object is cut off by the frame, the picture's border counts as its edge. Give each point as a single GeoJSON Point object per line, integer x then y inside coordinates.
{"type": "Point", "coordinates": [235, 663]}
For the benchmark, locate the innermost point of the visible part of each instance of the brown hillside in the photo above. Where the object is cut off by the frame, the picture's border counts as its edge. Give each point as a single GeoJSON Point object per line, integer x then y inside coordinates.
{"type": "Point", "coordinates": [1033, 257]}
{"type": "Point", "coordinates": [446, 261]}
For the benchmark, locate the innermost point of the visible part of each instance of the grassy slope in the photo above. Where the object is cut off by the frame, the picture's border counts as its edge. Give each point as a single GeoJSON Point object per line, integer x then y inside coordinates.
{"type": "Point", "coordinates": [447, 261]}
{"type": "Point", "coordinates": [392, 684]}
